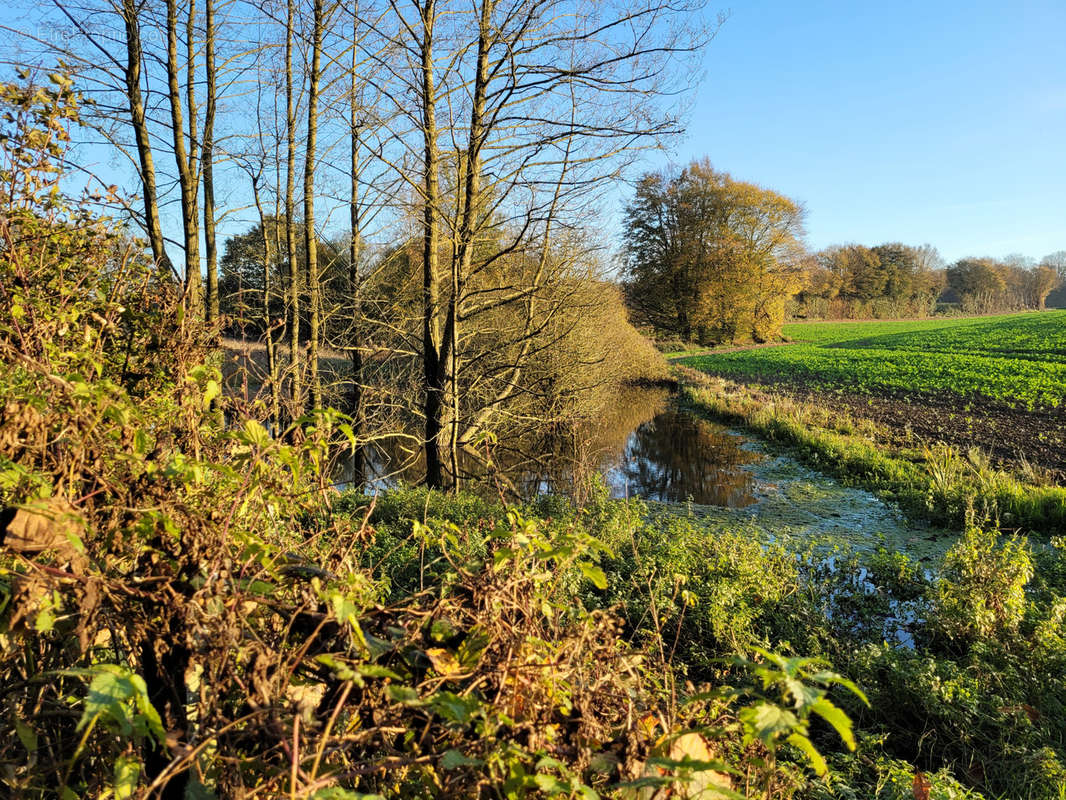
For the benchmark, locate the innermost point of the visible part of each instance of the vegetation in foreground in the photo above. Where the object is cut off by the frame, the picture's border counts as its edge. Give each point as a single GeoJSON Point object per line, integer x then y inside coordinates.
{"type": "Point", "coordinates": [188, 609]}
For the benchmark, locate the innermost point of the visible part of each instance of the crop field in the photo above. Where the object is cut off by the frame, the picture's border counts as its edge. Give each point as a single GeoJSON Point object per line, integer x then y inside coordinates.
{"type": "Point", "coordinates": [1018, 360]}
{"type": "Point", "coordinates": [994, 383]}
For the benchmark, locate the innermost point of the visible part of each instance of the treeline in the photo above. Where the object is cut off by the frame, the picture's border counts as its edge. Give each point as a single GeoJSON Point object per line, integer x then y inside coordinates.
{"type": "Point", "coordinates": [709, 259]}
{"type": "Point", "coordinates": [981, 285]}
{"type": "Point", "coordinates": [897, 280]}
{"type": "Point", "coordinates": [853, 281]}
{"type": "Point", "coordinates": [416, 185]}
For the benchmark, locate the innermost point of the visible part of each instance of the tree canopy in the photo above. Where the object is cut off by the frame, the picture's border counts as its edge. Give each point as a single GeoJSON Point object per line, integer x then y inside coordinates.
{"type": "Point", "coordinates": [710, 258]}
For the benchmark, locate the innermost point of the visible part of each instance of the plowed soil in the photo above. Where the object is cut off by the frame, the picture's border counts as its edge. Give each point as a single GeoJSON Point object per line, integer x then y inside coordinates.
{"type": "Point", "coordinates": [1011, 436]}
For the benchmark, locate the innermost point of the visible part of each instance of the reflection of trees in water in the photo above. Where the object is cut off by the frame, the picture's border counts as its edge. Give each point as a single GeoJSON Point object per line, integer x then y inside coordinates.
{"type": "Point", "coordinates": [675, 457]}
{"type": "Point", "coordinates": [645, 447]}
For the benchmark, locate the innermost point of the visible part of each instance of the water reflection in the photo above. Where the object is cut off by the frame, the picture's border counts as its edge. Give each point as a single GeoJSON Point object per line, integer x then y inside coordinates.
{"type": "Point", "coordinates": [643, 447]}
{"type": "Point", "coordinates": [675, 457]}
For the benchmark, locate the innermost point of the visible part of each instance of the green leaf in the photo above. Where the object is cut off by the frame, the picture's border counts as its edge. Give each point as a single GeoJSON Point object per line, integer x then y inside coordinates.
{"type": "Point", "coordinates": [471, 648]}
{"type": "Point", "coordinates": [453, 759]}
{"type": "Point", "coordinates": [455, 708]}
{"type": "Point", "coordinates": [255, 434]}
{"type": "Point", "coordinates": [404, 695]}
{"type": "Point", "coordinates": [26, 735]}
{"type": "Point", "coordinates": [840, 721]}
{"type": "Point", "coordinates": [442, 629]}
{"type": "Point", "coordinates": [341, 669]}
{"type": "Point", "coordinates": [376, 671]}
{"type": "Point", "coordinates": [551, 785]}
{"type": "Point", "coordinates": [594, 574]}
{"type": "Point", "coordinates": [261, 587]}
{"type": "Point", "coordinates": [146, 709]}
{"type": "Point", "coordinates": [813, 756]}
{"type": "Point", "coordinates": [127, 776]}
{"type": "Point", "coordinates": [767, 721]}
{"type": "Point", "coordinates": [802, 694]}
{"type": "Point", "coordinates": [119, 698]}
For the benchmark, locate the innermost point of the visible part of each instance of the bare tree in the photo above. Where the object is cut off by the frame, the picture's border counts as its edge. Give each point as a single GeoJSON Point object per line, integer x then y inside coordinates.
{"type": "Point", "coordinates": [186, 158]}
{"type": "Point", "coordinates": [207, 158]}
{"type": "Point", "coordinates": [146, 162]}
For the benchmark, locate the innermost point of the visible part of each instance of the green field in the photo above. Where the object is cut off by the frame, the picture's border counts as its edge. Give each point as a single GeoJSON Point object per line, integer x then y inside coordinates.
{"type": "Point", "coordinates": [1019, 359]}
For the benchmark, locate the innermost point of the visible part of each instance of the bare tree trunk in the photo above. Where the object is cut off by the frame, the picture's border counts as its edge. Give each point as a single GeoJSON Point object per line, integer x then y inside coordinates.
{"type": "Point", "coordinates": [354, 282]}
{"type": "Point", "coordinates": [134, 54]}
{"type": "Point", "coordinates": [296, 391]}
{"type": "Point", "coordinates": [432, 362]}
{"type": "Point", "coordinates": [185, 164]}
{"type": "Point", "coordinates": [269, 257]}
{"type": "Point", "coordinates": [310, 239]}
{"type": "Point", "coordinates": [471, 206]}
{"type": "Point", "coordinates": [207, 159]}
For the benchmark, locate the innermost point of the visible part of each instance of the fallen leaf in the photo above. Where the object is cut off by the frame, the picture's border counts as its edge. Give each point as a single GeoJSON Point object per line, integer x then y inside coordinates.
{"type": "Point", "coordinates": [50, 524]}
{"type": "Point", "coordinates": [444, 661]}
{"type": "Point", "coordinates": [921, 786]}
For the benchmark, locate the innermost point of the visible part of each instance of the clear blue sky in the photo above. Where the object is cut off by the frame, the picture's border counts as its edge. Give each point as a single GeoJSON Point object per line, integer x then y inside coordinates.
{"type": "Point", "coordinates": [939, 122]}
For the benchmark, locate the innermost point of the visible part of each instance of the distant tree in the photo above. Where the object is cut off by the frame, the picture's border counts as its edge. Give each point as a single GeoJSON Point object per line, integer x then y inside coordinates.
{"type": "Point", "coordinates": [1057, 261]}
{"type": "Point", "coordinates": [1019, 261]}
{"type": "Point", "coordinates": [898, 266]}
{"type": "Point", "coordinates": [712, 258]}
{"type": "Point", "coordinates": [857, 270]}
{"type": "Point", "coordinates": [889, 280]}
{"type": "Point", "coordinates": [242, 281]}
{"type": "Point", "coordinates": [979, 282]}
{"type": "Point", "coordinates": [1042, 280]}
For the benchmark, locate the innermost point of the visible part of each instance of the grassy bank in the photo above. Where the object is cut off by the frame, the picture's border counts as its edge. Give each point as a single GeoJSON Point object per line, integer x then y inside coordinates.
{"type": "Point", "coordinates": [937, 483]}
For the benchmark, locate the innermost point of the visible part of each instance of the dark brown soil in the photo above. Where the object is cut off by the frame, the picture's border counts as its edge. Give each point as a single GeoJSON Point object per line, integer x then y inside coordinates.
{"type": "Point", "coordinates": [1011, 436]}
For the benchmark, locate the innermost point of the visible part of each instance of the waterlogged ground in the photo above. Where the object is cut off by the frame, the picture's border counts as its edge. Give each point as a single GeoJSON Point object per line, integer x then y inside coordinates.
{"type": "Point", "coordinates": [770, 493]}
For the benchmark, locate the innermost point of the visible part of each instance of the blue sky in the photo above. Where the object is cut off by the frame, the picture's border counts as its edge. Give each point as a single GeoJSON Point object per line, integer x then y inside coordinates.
{"type": "Point", "coordinates": [939, 122]}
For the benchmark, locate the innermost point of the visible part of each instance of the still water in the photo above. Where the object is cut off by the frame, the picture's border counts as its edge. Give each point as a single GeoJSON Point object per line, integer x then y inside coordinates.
{"type": "Point", "coordinates": [647, 446]}
{"type": "Point", "coordinates": [675, 457]}
{"type": "Point", "coordinates": [643, 446]}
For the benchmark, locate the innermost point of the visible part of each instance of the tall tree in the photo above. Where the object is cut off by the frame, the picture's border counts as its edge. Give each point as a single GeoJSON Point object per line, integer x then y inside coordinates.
{"type": "Point", "coordinates": [293, 287]}
{"type": "Point", "coordinates": [207, 159]}
{"type": "Point", "coordinates": [318, 23]}
{"type": "Point", "coordinates": [355, 252]}
{"type": "Point", "coordinates": [185, 158]}
{"type": "Point", "coordinates": [131, 10]}
{"type": "Point", "coordinates": [710, 257]}
{"type": "Point", "coordinates": [515, 99]}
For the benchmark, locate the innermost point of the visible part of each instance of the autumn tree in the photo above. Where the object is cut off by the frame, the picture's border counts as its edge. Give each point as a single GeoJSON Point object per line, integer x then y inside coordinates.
{"type": "Point", "coordinates": [979, 283]}
{"type": "Point", "coordinates": [888, 280]}
{"type": "Point", "coordinates": [712, 258]}
{"type": "Point", "coordinates": [1041, 281]}
{"type": "Point", "coordinates": [1057, 261]}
